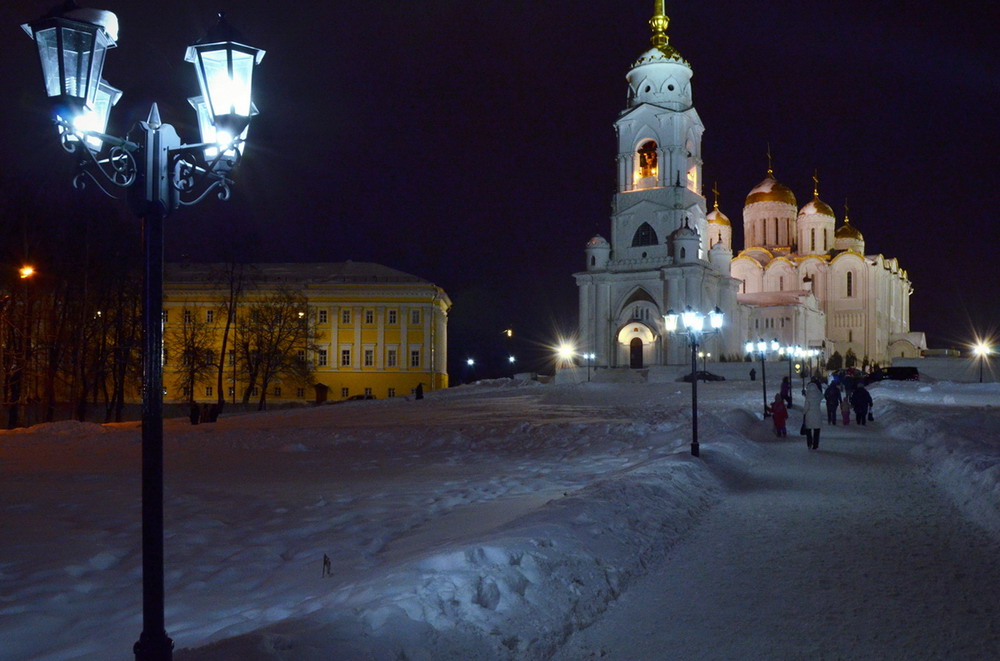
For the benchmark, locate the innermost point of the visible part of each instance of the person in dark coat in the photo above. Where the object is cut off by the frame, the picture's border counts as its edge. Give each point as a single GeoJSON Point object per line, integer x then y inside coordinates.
{"type": "Point", "coordinates": [786, 391]}
{"type": "Point", "coordinates": [832, 397]}
{"type": "Point", "coordinates": [861, 401]}
{"type": "Point", "coordinates": [779, 415]}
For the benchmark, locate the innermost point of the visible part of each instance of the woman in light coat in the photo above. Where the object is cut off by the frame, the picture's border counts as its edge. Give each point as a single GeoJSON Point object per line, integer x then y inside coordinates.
{"type": "Point", "coordinates": [813, 413]}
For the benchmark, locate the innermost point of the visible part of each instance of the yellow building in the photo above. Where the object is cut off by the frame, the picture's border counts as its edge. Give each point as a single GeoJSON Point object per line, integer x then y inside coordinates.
{"type": "Point", "coordinates": [376, 331]}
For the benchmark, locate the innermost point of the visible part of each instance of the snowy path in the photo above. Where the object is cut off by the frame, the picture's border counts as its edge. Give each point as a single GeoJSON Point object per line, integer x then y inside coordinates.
{"type": "Point", "coordinates": [883, 565]}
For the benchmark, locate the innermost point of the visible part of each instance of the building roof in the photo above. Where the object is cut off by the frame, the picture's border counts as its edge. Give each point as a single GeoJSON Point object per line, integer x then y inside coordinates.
{"type": "Point", "coordinates": [348, 272]}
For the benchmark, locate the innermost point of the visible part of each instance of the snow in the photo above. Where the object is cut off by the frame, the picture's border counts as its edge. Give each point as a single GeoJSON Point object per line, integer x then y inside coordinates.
{"type": "Point", "coordinates": [513, 520]}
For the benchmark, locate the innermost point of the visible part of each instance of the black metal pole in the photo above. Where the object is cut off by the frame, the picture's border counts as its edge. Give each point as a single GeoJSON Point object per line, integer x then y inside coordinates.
{"type": "Point", "coordinates": [790, 381]}
{"type": "Point", "coordinates": [153, 644]}
{"type": "Point", "coordinates": [982, 359]}
{"type": "Point", "coordinates": [763, 383]}
{"type": "Point", "coordinates": [695, 449]}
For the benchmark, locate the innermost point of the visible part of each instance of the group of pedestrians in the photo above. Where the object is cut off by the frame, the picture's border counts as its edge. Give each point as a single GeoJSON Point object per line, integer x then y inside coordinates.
{"type": "Point", "coordinates": [854, 396]}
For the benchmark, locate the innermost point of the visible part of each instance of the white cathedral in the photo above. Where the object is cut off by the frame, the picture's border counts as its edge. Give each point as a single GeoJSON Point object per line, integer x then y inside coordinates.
{"type": "Point", "coordinates": [799, 279]}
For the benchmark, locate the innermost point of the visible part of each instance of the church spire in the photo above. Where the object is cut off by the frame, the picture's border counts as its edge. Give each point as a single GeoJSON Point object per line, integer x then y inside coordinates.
{"type": "Point", "coordinates": [816, 184]}
{"type": "Point", "coordinates": [658, 24]}
{"type": "Point", "coordinates": [715, 192]}
{"type": "Point", "coordinates": [770, 163]}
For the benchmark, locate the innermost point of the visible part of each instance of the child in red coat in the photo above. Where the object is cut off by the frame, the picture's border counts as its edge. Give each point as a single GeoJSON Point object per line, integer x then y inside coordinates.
{"type": "Point", "coordinates": [779, 415]}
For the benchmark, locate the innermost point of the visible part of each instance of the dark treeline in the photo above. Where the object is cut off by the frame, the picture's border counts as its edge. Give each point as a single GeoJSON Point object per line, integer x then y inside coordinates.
{"type": "Point", "coordinates": [70, 332]}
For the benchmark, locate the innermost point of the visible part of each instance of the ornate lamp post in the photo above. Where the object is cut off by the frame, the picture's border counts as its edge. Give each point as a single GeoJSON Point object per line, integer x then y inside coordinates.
{"type": "Point", "coordinates": [694, 329]}
{"type": "Point", "coordinates": [791, 353]}
{"type": "Point", "coordinates": [761, 347]}
{"type": "Point", "coordinates": [159, 175]}
{"type": "Point", "coordinates": [590, 359]}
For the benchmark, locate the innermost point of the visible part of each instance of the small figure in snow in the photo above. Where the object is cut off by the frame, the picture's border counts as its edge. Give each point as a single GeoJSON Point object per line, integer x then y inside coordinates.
{"type": "Point", "coordinates": [779, 415]}
{"type": "Point", "coordinates": [420, 391]}
{"type": "Point", "coordinates": [832, 397]}
{"type": "Point", "coordinates": [753, 374]}
{"type": "Point", "coordinates": [813, 415]}
{"type": "Point", "coordinates": [327, 569]}
{"type": "Point", "coordinates": [861, 400]}
{"type": "Point", "coordinates": [845, 410]}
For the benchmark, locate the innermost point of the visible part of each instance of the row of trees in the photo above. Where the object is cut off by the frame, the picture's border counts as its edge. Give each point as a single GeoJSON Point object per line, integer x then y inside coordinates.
{"type": "Point", "coordinates": [70, 333]}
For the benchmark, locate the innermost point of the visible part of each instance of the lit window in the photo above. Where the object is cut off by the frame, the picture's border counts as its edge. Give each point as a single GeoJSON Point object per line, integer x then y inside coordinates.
{"type": "Point", "coordinates": [232, 391]}
{"type": "Point", "coordinates": [693, 179]}
{"type": "Point", "coordinates": [208, 391]}
{"type": "Point", "coordinates": [369, 357]}
{"type": "Point", "coordinates": [344, 392]}
{"type": "Point", "coordinates": [647, 159]}
{"type": "Point", "coordinates": [300, 392]}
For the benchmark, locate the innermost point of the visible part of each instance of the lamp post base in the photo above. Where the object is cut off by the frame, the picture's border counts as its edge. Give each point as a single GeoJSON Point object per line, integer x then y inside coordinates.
{"type": "Point", "coordinates": [695, 449]}
{"type": "Point", "coordinates": [157, 647]}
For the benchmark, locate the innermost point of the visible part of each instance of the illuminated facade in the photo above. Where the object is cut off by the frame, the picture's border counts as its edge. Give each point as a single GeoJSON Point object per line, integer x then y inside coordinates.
{"type": "Point", "coordinates": [799, 279]}
{"type": "Point", "coordinates": [376, 331]}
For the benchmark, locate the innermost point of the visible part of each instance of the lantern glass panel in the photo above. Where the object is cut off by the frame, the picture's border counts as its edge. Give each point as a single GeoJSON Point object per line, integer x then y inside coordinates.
{"type": "Point", "coordinates": [48, 52]}
{"type": "Point", "coordinates": [77, 50]}
{"type": "Point", "coordinates": [228, 91]}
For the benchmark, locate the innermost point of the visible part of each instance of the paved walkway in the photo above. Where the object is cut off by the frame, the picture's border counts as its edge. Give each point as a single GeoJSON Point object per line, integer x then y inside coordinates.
{"type": "Point", "coordinates": [845, 553]}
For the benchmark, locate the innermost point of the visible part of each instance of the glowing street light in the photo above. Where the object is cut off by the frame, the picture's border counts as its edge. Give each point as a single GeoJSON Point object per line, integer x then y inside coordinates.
{"type": "Point", "coordinates": [983, 351]}
{"type": "Point", "coordinates": [694, 329]}
{"type": "Point", "coordinates": [761, 347]}
{"type": "Point", "coordinates": [160, 175]}
{"type": "Point", "coordinates": [26, 271]}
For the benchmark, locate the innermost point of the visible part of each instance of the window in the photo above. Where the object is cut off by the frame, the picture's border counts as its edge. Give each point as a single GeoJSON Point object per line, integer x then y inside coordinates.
{"type": "Point", "coordinates": [812, 239]}
{"type": "Point", "coordinates": [647, 159]}
{"type": "Point", "coordinates": [390, 358]}
{"type": "Point", "coordinates": [369, 357]}
{"type": "Point", "coordinates": [345, 316]}
{"type": "Point", "coordinates": [322, 316]}
{"type": "Point", "coordinates": [344, 392]}
{"type": "Point", "coordinates": [186, 391]}
{"type": "Point", "coordinates": [392, 316]}
{"type": "Point", "coordinates": [209, 316]}
{"type": "Point", "coordinates": [392, 392]}
{"type": "Point", "coordinates": [781, 283]}
{"type": "Point", "coordinates": [644, 236]}
{"type": "Point", "coordinates": [187, 316]}
{"type": "Point", "coordinates": [345, 357]}
{"type": "Point", "coordinates": [232, 357]}
{"type": "Point", "coordinates": [232, 391]}
{"type": "Point", "coordinates": [414, 317]}
{"type": "Point", "coordinates": [166, 316]}
{"type": "Point", "coordinates": [850, 284]}
{"type": "Point", "coordinates": [300, 393]}
{"type": "Point", "coordinates": [414, 357]}
{"type": "Point", "coordinates": [321, 357]}
{"type": "Point", "coordinates": [683, 253]}
{"type": "Point", "coordinates": [369, 316]}
{"type": "Point", "coordinates": [300, 356]}
{"type": "Point", "coordinates": [277, 391]}
{"type": "Point", "coordinates": [208, 391]}
{"type": "Point", "coordinates": [850, 335]}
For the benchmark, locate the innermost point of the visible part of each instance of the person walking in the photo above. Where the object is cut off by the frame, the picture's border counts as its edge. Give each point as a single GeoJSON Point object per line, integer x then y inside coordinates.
{"type": "Point", "coordinates": [779, 415]}
{"type": "Point", "coordinates": [833, 398]}
{"type": "Point", "coordinates": [786, 391]}
{"type": "Point", "coordinates": [861, 400]}
{"type": "Point", "coordinates": [813, 417]}
{"type": "Point", "coordinates": [845, 411]}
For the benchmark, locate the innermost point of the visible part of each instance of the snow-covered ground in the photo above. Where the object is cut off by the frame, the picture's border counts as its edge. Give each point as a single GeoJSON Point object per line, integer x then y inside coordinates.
{"type": "Point", "coordinates": [495, 521]}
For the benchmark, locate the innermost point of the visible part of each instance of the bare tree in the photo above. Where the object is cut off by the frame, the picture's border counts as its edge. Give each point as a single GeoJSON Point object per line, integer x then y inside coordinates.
{"type": "Point", "coordinates": [190, 344]}
{"type": "Point", "coordinates": [233, 277]}
{"type": "Point", "coordinates": [272, 336]}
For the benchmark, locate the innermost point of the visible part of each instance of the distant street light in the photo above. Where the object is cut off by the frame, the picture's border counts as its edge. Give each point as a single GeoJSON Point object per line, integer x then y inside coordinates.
{"type": "Point", "coordinates": [470, 362]}
{"type": "Point", "coordinates": [589, 357]}
{"type": "Point", "coordinates": [790, 353]}
{"type": "Point", "coordinates": [26, 271]}
{"type": "Point", "coordinates": [160, 175]}
{"type": "Point", "coordinates": [983, 351]}
{"type": "Point", "coordinates": [762, 347]}
{"type": "Point", "coordinates": [694, 330]}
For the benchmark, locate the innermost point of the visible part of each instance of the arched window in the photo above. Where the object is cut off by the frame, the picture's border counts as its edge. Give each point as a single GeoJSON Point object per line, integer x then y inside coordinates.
{"type": "Point", "coordinates": [683, 253]}
{"type": "Point", "coordinates": [850, 284]}
{"type": "Point", "coordinates": [647, 159]}
{"type": "Point", "coordinates": [644, 236]}
{"type": "Point", "coordinates": [812, 239]}
{"type": "Point", "coordinates": [593, 260]}
{"type": "Point", "coordinates": [781, 283]}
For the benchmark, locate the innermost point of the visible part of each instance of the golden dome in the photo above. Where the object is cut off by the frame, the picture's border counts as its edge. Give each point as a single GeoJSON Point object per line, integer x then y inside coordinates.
{"type": "Point", "coordinates": [771, 190]}
{"type": "Point", "coordinates": [716, 217]}
{"type": "Point", "coordinates": [817, 206]}
{"type": "Point", "coordinates": [848, 231]}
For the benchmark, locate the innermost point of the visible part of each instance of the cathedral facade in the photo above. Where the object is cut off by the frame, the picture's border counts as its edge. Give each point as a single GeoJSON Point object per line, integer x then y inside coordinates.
{"type": "Point", "coordinates": [798, 279]}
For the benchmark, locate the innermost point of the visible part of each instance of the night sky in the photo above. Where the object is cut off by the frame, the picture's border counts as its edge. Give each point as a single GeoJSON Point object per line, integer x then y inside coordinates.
{"type": "Point", "coordinates": [471, 143]}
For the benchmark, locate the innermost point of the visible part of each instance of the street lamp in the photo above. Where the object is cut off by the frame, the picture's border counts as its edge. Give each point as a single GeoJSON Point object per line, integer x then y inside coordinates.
{"type": "Point", "coordinates": [694, 328]}
{"type": "Point", "coordinates": [159, 174]}
{"type": "Point", "coordinates": [762, 347]}
{"type": "Point", "coordinates": [704, 355]}
{"type": "Point", "coordinates": [589, 357]}
{"type": "Point", "coordinates": [983, 351]}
